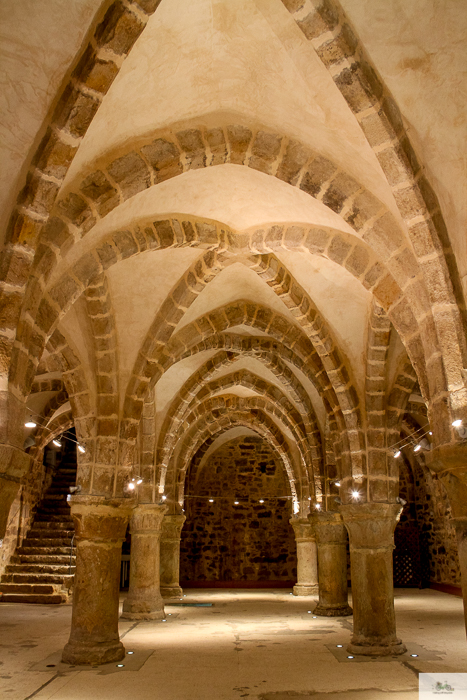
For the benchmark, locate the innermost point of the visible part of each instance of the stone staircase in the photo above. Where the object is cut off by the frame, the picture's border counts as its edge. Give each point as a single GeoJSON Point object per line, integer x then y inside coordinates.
{"type": "Point", "coordinates": [42, 569]}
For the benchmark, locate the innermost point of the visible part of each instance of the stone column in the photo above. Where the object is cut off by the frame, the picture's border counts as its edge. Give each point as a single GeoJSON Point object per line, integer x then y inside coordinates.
{"type": "Point", "coordinates": [371, 533]}
{"type": "Point", "coordinates": [144, 600]}
{"type": "Point", "coordinates": [100, 526]}
{"type": "Point", "coordinates": [170, 556]}
{"type": "Point", "coordinates": [331, 537]}
{"type": "Point", "coordinates": [307, 558]}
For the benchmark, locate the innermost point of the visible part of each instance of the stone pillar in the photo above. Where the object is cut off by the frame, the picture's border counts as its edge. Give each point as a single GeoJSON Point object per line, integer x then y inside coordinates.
{"type": "Point", "coordinates": [100, 526]}
{"type": "Point", "coordinates": [144, 600]}
{"type": "Point", "coordinates": [14, 461]}
{"type": "Point", "coordinates": [307, 558]}
{"type": "Point", "coordinates": [331, 537]}
{"type": "Point", "coordinates": [371, 533]}
{"type": "Point", "coordinates": [170, 556]}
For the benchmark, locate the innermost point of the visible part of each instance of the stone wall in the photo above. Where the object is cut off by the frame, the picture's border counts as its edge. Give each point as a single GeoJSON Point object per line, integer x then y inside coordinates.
{"type": "Point", "coordinates": [251, 541]}
{"type": "Point", "coordinates": [426, 516]}
{"type": "Point", "coordinates": [24, 506]}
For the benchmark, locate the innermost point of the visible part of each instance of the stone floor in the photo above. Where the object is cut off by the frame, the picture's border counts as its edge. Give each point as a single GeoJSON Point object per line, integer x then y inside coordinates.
{"type": "Point", "coordinates": [261, 645]}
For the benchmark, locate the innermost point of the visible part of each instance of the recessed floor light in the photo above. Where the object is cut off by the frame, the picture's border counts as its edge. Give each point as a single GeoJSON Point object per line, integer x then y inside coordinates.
{"type": "Point", "coordinates": [413, 654]}
{"type": "Point", "coordinates": [130, 652]}
{"type": "Point", "coordinates": [339, 646]}
{"type": "Point", "coordinates": [314, 617]}
{"type": "Point", "coordinates": [120, 665]}
{"type": "Point", "coordinates": [350, 657]}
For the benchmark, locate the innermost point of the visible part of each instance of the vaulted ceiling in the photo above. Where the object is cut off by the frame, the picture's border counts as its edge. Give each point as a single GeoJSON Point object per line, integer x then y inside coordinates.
{"type": "Point", "coordinates": [233, 243]}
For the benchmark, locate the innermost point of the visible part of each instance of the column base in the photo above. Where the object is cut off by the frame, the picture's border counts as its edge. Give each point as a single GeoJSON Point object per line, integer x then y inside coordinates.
{"type": "Point", "coordinates": [155, 615]}
{"type": "Point", "coordinates": [141, 610]}
{"type": "Point", "coordinates": [394, 649]}
{"type": "Point", "coordinates": [171, 592]}
{"type": "Point", "coordinates": [301, 590]}
{"type": "Point", "coordinates": [333, 611]}
{"type": "Point", "coordinates": [80, 654]}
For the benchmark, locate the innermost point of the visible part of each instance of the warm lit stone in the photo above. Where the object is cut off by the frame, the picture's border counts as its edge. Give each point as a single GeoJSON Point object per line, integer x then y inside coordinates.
{"type": "Point", "coordinates": [371, 533]}
{"type": "Point", "coordinates": [170, 556]}
{"type": "Point", "coordinates": [307, 558]}
{"type": "Point", "coordinates": [100, 526]}
{"type": "Point", "coordinates": [144, 600]}
{"type": "Point", "coordinates": [331, 537]}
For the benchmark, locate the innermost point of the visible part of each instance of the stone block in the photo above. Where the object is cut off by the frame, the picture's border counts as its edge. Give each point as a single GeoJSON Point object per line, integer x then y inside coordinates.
{"type": "Point", "coordinates": [125, 244]}
{"type": "Point", "coordinates": [358, 260]}
{"type": "Point", "coordinates": [86, 269]}
{"type": "Point", "coordinates": [264, 151]}
{"type": "Point", "coordinates": [217, 144]}
{"type": "Point", "coordinates": [99, 190]}
{"type": "Point", "coordinates": [118, 30]}
{"type": "Point", "coordinates": [377, 129]}
{"type": "Point", "coordinates": [336, 50]}
{"type": "Point", "coordinates": [338, 249]}
{"type": "Point", "coordinates": [410, 202]}
{"type": "Point", "coordinates": [323, 19]}
{"type": "Point", "coordinates": [164, 157]}
{"type": "Point", "coordinates": [130, 173]}
{"type": "Point", "coordinates": [318, 172]}
{"type": "Point", "coordinates": [75, 111]}
{"type": "Point", "coordinates": [191, 141]}
{"type": "Point", "coordinates": [76, 210]}
{"type": "Point", "coordinates": [53, 156]}
{"type": "Point", "coordinates": [355, 88]}
{"type": "Point", "coordinates": [38, 194]}
{"type": "Point", "coordinates": [239, 140]}
{"type": "Point", "coordinates": [341, 187]}
{"type": "Point", "coordinates": [295, 158]}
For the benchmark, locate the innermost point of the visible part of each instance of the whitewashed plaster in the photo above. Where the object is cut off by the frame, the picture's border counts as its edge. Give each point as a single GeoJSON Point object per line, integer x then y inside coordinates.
{"type": "Point", "coordinates": [172, 381]}
{"type": "Point", "coordinates": [216, 59]}
{"type": "Point", "coordinates": [233, 283]}
{"type": "Point", "coordinates": [420, 49]}
{"type": "Point", "coordinates": [342, 301]}
{"type": "Point", "coordinates": [39, 40]}
{"type": "Point", "coordinates": [233, 195]}
{"type": "Point", "coordinates": [138, 286]}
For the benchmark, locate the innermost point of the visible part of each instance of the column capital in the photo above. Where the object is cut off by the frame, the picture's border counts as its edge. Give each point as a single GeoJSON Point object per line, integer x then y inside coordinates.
{"type": "Point", "coordinates": [329, 527]}
{"type": "Point", "coordinates": [172, 526]}
{"type": "Point", "coordinates": [303, 529]}
{"type": "Point", "coordinates": [99, 518]}
{"type": "Point", "coordinates": [371, 525]}
{"type": "Point", "coordinates": [147, 518]}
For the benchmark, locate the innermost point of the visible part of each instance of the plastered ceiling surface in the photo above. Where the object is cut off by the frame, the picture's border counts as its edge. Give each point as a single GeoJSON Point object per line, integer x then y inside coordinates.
{"type": "Point", "coordinates": [215, 63]}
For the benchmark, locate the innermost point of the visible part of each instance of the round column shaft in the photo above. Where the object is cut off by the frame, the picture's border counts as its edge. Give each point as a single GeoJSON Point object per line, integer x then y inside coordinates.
{"type": "Point", "coordinates": [371, 533]}
{"type": "Point", "coordinates": [100, 526]}
{"type": "Point", "coordinates": [331, 537]}
{"type": "Point", "coordinates": [307, 558]}
{"type": "Point", "coordinates": [144, 600]}
{"type": "Point", "coordinates": [170, 556]}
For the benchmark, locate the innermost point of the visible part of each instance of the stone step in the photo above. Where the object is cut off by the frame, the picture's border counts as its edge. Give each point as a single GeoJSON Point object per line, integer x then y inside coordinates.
{"type": "Point", "coordinates": [32, 568]}
{"type": "Point", "coordinates": [43, 551]}
{"type": "Point", "coordinates": [52, 541]}
{"type": "Point", "coordinates": [52, 525]}
{"type": "Point", "coordinates": [43, 559]}
{"type": "Point", "coordinates": [41, 588]}
{"type": "Point", "coordinates": [54, 518]}
{"type": "Point", "coordinates": [61, 579]}
{"type": "Point", "coordinates": [52, 599]}
{"type": "Point", "coordinates": [47, 512]}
